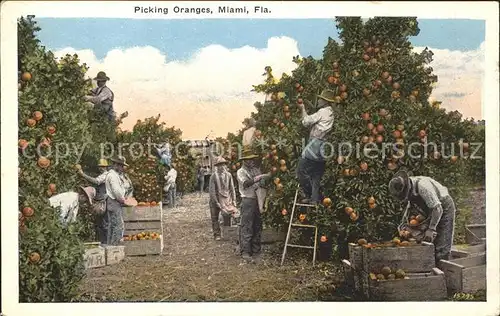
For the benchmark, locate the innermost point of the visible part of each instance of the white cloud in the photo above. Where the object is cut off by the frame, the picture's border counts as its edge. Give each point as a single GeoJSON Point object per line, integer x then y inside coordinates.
{"type": "Point", "coordinates": [211, 90]}
{"type": "Point", "coordinates": [460, 79]}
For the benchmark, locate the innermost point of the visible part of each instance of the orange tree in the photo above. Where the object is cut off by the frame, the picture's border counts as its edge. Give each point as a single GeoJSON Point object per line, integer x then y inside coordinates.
{"type": "Point", "coordinates": [53, 126]}
{"type": "Point", "coordinates": [383, 121]}
{"type": "Point", "coordinates": [145, 170]}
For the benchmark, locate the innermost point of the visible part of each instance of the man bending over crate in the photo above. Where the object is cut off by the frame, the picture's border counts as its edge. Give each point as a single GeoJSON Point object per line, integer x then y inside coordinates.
{"type": "Point", "coordinates": [435, 207]}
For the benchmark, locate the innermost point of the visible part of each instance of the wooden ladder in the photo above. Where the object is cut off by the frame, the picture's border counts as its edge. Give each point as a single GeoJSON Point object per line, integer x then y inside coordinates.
{"type": "Point", "coordinates": [291, 224]}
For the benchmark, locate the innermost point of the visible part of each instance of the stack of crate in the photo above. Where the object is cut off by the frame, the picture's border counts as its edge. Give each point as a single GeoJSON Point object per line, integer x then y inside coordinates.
{"type": "Point", "coordinates": [466, 271]}
{"type": "Point", "coordinates": [423, 281]}
{"type": "Point", "coordinates": [139, 220]}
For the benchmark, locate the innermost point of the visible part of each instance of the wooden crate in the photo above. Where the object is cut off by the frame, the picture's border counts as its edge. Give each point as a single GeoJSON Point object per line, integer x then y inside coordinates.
{"type": "Point", "coordinates": [143, 219]}
{"type": "Point", "coordinates": [355, 256]}
{"type": "Point", "coordinates": [413, 258]}
{"type": "Point", "coordinates": [475, 233]}
{"type": "Point", "coordinates": [426, 286]}
{"type": "Point", "coordinates": [462, 251]}
{"type": "Point", "coordinates": [114, 254]}
{"type": "Point", "coordinates": [94, 257]}
{"type": "Point", "coordinates": [143, 247]}
{"type": "Point", "coordinates": [465, 275]}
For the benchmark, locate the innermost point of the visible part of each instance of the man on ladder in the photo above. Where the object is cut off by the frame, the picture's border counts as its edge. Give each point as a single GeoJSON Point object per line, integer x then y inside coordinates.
{"type": "Point", "coordinates": [311, 165]}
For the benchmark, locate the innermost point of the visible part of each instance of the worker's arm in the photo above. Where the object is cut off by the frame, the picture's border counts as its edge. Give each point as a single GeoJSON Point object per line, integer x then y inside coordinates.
{"type": "Point", "coordinates": [308, 120]}
{"type": "Point", "coordinates": [244, 180]}
{"type": "Point", "coordinates": [232, 189]}
{"type": "Point", "coordinates": [98, 99]}
{"type": "Point", "coordinates": [433, 203]}
{"type": "Point", "coordinates": [98, 180]}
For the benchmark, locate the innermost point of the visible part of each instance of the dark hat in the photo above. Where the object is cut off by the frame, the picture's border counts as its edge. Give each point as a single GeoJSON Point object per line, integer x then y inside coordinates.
{"type": "Point", "coordinates": [399, 185]}
{"type": "Point", "coordinates": [101, 76]}
{"type": "Point", "coordinates": [89, 193]}
{"type": "Point", "coordinates": [120, 161]}
{"type": "Point", "coordinates": [327, 95]}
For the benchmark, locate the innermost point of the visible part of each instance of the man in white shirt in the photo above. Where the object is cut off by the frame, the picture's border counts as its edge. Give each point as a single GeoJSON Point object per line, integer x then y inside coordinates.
{"type": "Point", "coordinates": [116, 191]}
{"type": "Point", "coordinates": [248, 134]}
{"type": "Point", "coordinates": [431, 200]}
{"type": "Point", "coordinates": [69, 203]}
{"type": "Point", "coordinates": [249, 178]}
{"type": "Point", "coordinates": [311, 165]}
{"type": "Point", "coordinates": [170, 186]}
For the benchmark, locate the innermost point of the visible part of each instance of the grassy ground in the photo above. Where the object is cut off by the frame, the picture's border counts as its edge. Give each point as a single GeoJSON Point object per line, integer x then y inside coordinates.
{"type": "Point", "coordinates": [194, 267]}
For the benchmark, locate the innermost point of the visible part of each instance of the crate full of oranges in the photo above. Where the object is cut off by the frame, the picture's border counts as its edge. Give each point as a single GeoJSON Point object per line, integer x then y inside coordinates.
{"type": "Point", "coordinates": [142, 236]}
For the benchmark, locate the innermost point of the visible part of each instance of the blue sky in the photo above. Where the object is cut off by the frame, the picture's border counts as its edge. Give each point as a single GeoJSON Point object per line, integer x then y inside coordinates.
{"type": "Point", "coordinates": [179, 39]}
{"type": "Point", "coordinates": [142, 60]}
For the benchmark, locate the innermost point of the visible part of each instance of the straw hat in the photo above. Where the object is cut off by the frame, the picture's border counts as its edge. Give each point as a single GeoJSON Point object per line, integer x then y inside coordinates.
{"type": "Point", "coordinates": [103, 163]}
{"type": "Point", "coordinates": [327, 95]}
{"type": "Point", "coordinates": [219, 161]}
{"type": "Point", "coordinates": [248, 154]}
{"type": "Point", "coordinates": [101, 76]}
{"type": "Point", "coordinates": [89, 192]}
{"type": "Point", "coordinates": [120, 160]}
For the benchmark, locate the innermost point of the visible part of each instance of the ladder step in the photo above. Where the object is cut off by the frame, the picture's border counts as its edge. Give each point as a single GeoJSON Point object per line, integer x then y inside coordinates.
{"type": "Point", "coordinates": [303, 225]}
{"type": "Point", "coordinates": [306, 205]}
{"type": "Point", "coordinates": [300, 246]}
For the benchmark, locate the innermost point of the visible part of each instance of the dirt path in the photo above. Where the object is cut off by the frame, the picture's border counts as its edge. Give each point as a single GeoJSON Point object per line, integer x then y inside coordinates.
{"type": "Point", "coordinates": [194, 267]}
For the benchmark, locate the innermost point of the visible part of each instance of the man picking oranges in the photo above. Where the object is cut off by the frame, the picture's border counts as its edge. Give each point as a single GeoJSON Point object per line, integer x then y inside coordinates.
{"type": "Point", "coordinates": [434, 204]}
{"type": "Point", "coordinates": [311, 166]}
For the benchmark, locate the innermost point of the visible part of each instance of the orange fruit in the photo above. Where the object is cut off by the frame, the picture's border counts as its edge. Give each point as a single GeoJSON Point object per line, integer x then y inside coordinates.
{"type": "Point", "coordinates": [284, 212]}
{"type": "Point", "coordinates": [422, 133]}
{"type": "Point", "coordinates": [30, 122]}
{"type": "Point", "coordinates": [362, 242]}
{"type": "Point", "coordinates": [302, 217]}
{"type": "Point", "coordinates": [327, 202]}
{"type": "Point", "coordinates": [283, 168]}
{"type": "Point", "coordinates": [34, 257]}
{"type": "Point", "coordinates": [453, 158]}
{"type": "Point", "coordinates": [371, 200]}
{"type": "Point", "coordinates": [51, 129]}
{"type": "Point", "coordinates": [22, 143]}
{"type": "Point", "coordinates": [26, 76]}
{"type": "Point", "coordinates": [277, 181]}
{"type": "Point", "coordinates": [52, 187]}
{"type": "Point", "coordinates": [353, 216]}
{"type": "Point", "coordinates": [363, 166]}
{"type": "Point", "coordinates": [420, 218]}
{"type": "Point", "coordinates": [279, 187]}
{"type": "Point", "coordinates": [37, 115]}
{"type": "Point", "coordinates": [323, 239]}
{"type": "Point", "coordinates": [282, 162]}
{"type": "Point", "coordinates": [372, 205]}
{"type": "Point", "coordinates": [349, 210]}
{"type": "Point", "coordinates": [413, 222]}
{"type": "Point", "coordinates": [43, 162]}
{"type": "Point", "coordinates": [28, 211]}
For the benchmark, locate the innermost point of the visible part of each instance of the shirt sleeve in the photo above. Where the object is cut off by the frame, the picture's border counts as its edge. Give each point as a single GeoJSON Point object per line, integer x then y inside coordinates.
{"type": "Point", "coordinates": [104, 95]}
{"type": "Point", "coordinates": [428, 194]}
{"type": "Point", "coordinates": [98, 180]}
{"type": "Point", "coordinates": [232, 188]}
{"type": "Point", "coordinates": [116, 187]}
{"type": "Point", "coordinates": [312, 119]}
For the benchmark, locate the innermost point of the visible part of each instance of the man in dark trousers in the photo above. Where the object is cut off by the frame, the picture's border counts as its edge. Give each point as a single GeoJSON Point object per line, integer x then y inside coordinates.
{"type": "Point", "coordinates": [249, 178]}
{"type": "Point", "coordinates": [434, 203]}
{"type": "Point", "coordinates": [311, 165]}
{"type": "Point", "coordinates": [102, 96]}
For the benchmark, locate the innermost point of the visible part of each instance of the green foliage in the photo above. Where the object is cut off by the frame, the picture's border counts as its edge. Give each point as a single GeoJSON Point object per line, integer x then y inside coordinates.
{"type": "Point", "coordinates": [145, 171]}
{"type": "Point", "coordinates": [54, 89]}
{"type": "Point", "coordinates": [374, 72]}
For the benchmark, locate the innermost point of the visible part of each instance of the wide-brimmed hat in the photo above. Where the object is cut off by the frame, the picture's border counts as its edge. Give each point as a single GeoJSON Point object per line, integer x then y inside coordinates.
{"type": "Point", "coordinates": [103, 163]}
{"type": "Point", "coordinates": [399, 185]}
{"type": "Point", "coordinates": [101, 76]}
{"type": "Point", "coordinates": [248, 154]}
{"type": "Point", "coordinates": [120, 160]}
{"type": "Point", "coordinates": [89, 192]}
{"type": "Point", "coordinates": [327, 95]}
{"type": "Point", "coordinates": [220, 161]}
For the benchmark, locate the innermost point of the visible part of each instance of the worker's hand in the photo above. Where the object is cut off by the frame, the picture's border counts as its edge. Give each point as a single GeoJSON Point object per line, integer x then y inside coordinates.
{"type": "Point", "coordinates": [429, 235]}
{"type": "Point", "coordinates": [79, 171]}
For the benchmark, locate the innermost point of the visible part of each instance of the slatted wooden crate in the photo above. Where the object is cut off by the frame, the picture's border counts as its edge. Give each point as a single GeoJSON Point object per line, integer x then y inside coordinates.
{"type": "Point", "coordinates": [114, 254]}
{"type": "Point", "coordinates": [141, 219]}
{"type": "Point", "coordinates": [465, 275]}
{"type": "Point", "coordinates": [94, 256]}
{"type": "Point", "coordinates": [356, 261]}
{"type": "Point", "coordinates": [475, 233]}
{"type": "Point", "coordinates": [462, 251]}
{"type": "Point", "coordinates": [413, 258]}
{"type": "Point", "coordinates": [426, 286]}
